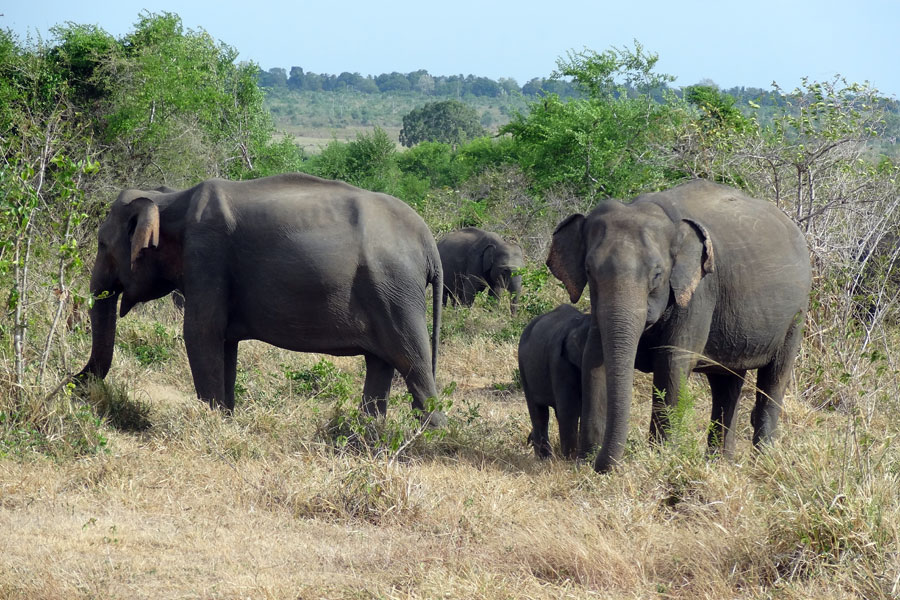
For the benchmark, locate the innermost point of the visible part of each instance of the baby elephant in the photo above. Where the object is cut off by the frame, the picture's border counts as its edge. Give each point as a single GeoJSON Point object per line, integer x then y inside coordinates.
{"type": "Point", "coordinates": [550, 369]}
{"type": "Point", "coordinates": [474, 259]}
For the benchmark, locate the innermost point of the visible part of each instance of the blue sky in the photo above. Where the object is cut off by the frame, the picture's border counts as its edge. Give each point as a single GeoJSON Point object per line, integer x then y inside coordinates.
{"type": "Point", "coordinates": [731, 43]}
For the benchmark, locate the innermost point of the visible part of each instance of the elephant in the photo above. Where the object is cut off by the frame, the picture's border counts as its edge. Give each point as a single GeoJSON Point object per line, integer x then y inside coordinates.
{"type": "Point", "coordinates": [550, 352]}
{"type": "Point", "coordinates": [474, 259]}
{"type": "Point", "coordinates": [698, 277]}
{"type": "Point", "coordinates": [296, 261]}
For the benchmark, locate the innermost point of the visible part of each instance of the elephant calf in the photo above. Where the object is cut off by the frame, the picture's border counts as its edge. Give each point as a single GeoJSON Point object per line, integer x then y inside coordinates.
{"type": "Point", "coordinates": [550, 352]}
{"type": "Point", "coordinates": [474, 259]}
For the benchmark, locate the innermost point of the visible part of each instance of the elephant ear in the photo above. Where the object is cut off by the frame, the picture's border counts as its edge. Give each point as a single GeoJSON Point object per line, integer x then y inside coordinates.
{"type": "Point", "coordinates": [487, 258]}
{"type": "Point", "coordinates": [146, 231]}
{"type": "Point", "coordinates": [566, 258]}
{"type": "Point", "coordinates": [693, 260]}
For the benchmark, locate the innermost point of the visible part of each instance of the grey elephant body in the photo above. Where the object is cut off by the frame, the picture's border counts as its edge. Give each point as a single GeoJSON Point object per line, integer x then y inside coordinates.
{"type": "Point", "coordinates": [550, 354]}
{"type": "Point", "coordinates": [474, 259]}
{"type": "Point", "coordinates": [699, 277]}
{"type": "Point", "coordinates": [299, 262]}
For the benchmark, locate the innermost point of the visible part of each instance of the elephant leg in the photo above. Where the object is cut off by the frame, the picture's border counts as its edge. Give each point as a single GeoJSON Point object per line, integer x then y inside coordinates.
{"type": "Point", "coordinates": [593, 394]}
{"type": "Point", "coordinates": [231, 354]}
{"type": "Point", "coordinates": [567, 417]}
{"type": "Point", "coordinates": [420, 383]}
{"type": "Point", "coordinates": [540, 438]}
{"type": "Point", "coordinates": [409, 346]}
{"type": "Point", "coordinates": [468, 287]}
{"type": "Point", "coordinates": [377, 387]}
{"type": "Point", "coordinates": [567, 399]}
{"type": "Point", "coordinates": [726, 391]}
{"type": "Point", "coordinates": [771, 381]}
{"type": "Point", "coordinates": [205, 345]}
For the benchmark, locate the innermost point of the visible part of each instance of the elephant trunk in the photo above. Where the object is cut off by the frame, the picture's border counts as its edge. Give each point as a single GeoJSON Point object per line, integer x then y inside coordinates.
{"type": "Point", "coordinates": [515, 291]}
{"type": "Point", "coordinates": [620, 326]}
{"type": "Point", "coordinates": [103, 337]}
{"type": "Point", "coordinates": [105, 291]}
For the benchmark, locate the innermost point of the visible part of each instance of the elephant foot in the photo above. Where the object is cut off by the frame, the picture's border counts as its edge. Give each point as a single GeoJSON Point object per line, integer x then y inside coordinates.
{"type": "Point", "coordinates": [433, 420]}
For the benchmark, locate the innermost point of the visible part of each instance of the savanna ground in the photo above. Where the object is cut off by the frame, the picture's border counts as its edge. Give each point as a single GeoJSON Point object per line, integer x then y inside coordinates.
{"type": "Point", "coordinates": [158, 496]}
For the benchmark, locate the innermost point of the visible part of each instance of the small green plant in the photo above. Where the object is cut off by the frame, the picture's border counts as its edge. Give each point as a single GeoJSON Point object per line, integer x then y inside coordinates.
{"type": "Point", "coordinates": [150, 347]}
{"type": "Point", "coordinates": [401, 431]}
{"type": "Point", "coordinates": [680, 432]}
{"type": "Point", "coordinates": [62, 426]}
{"type": "Point", "coordinates": [535, 280]}
{"type": "Point", "coordinates": [323, 381]}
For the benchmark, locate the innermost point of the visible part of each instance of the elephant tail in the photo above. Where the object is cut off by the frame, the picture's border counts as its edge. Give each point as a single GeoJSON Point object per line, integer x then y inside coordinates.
{"type": "Point", "coordinates": [436, 280]}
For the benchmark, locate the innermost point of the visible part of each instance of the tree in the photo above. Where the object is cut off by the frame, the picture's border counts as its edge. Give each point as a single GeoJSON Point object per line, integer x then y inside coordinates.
{"type": "Point", "coordinates": [451, 122]}
{"type": "Point", "coordinates": [45, 159]}
{"type": "Point", "coordinates": [393, 82]}
{"type": "Point", "coordinates": [599, 143]}
{"type": "Point", "coordinates": [182, 106]}
{"type": "Point", "coordinates": [273, 78]}
{"type": "Point", "coordinates": [296, 79]}
{"type": "Point", "coordinates": [509, 85]}
{"type": "Point", "coordinates": [482, 86]}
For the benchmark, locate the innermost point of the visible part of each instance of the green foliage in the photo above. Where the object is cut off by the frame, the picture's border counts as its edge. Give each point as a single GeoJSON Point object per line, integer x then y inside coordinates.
{"type": "Point", "coordinates": [434, 162]}
{"type": "Point", "coordinates": [369, 162]}
{"type": "Point", "coordinates": [681, 435]}
{"type": "Point", "coordinates": [451, 122]}
{"type": "Point", "coordinates": [534, 301]}
{"type": "Point", "coordinates": [718, 110]}
{"type": "Point", "coordinates": [599, 145]}
{"type": "Point", "coordinates": [150, 346]}
{"type": "Point", "coordinates": [323, 380]}
{"type": "Point", "coordinates": [78, 57]}
{"type": "Point", "coordinates": [612, 73]}
{"type": "Point", "coordinates": [60, 427]}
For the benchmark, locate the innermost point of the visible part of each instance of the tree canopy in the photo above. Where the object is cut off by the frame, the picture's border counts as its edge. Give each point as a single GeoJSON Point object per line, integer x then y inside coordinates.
{"type": "Point", "coordinates": [451, 122]}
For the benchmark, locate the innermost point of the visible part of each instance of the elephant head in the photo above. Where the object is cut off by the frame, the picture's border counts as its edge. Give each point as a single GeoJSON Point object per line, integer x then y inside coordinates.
{"type": "Point", "coordinates": [500, 262]}
{"type": "Point", "coordinates": [132, 263]}
{"type": "Point", "coordinates": [640, 262]}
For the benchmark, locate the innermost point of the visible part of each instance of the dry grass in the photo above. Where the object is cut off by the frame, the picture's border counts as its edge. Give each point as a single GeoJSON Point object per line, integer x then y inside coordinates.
{"type": "Point", "coordinates": [263, 505]}
{"type": "Point", "coordinates": [313, 139]}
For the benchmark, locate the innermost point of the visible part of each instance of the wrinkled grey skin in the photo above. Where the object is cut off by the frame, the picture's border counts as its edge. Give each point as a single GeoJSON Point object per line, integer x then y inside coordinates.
{"type": "Point", "coordinates": [474, 259]}
{"type": "Point", "coordinates": [299, 262]}
{"type": "Point", "coordinates": [550, 352]}
{"type": "Point", "coordinates": [700, 269]}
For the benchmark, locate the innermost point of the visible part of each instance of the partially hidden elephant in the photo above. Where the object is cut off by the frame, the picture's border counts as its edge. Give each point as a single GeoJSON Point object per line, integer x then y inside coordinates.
{"type": "Point", "coordinates": [474, 259]}
{"type": "Point", "coordinates": [550, 352]}
{"type": "Point", "coordinates": [699, 277]}
{"type": "Point", "coordinates": [302, 263]}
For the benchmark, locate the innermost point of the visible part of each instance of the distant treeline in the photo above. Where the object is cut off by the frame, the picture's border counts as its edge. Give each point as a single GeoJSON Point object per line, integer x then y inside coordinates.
{"type": "Point", "coordinates": [423, 82]}
{"type": "Point", "coordinates": [416, 81]}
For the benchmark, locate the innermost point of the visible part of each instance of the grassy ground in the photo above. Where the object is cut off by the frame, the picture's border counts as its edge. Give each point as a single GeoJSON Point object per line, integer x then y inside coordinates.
{"type": "Point", "coordinates": [167, 499]}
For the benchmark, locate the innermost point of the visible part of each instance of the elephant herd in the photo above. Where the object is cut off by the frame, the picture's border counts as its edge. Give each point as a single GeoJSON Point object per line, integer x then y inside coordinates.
{"type": "Point", "coordinates": [696, 278]}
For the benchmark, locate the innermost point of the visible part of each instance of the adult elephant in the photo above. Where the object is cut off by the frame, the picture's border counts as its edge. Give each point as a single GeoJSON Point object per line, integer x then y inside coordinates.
{"type": "Point", "coordinates": [698, 277]}
{"type": "Point", "coordinates": [550, 353]}
{"type": "Point", "coordinates": [474, 259]}
{"type": "Point", "coordinates": [299, 262]}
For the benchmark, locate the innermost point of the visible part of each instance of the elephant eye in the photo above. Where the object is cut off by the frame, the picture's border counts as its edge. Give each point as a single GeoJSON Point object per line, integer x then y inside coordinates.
{"type": "Point", "coordinates": [656, 278]}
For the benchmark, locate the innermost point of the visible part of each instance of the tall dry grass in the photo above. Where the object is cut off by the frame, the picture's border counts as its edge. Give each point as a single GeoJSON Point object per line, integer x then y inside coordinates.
{"type": "Point", "coordinates": [179, 501]}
